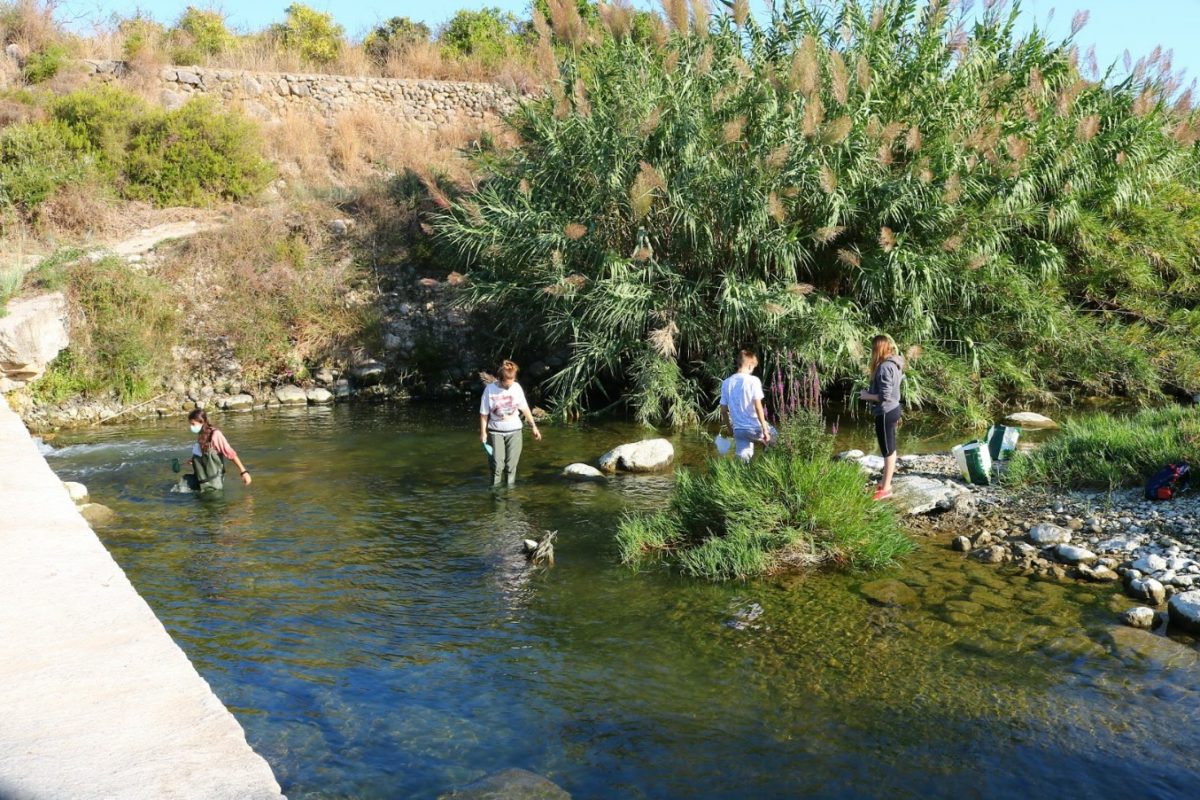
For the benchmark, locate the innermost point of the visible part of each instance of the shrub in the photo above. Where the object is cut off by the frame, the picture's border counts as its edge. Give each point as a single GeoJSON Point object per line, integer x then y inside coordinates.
{"type": "Point", "coordinates": [815, 174]}
{"type": "Point", "coordinates": [35, 160]}
{"type": "Point", "coordinates": [1101, 450]}
{"type": "Point", "coordinates": [205, 30]}
{"type": "Point", "coordinates": [394, 37]}
{"type": "Point", "coordinates": [99, 122]}
{"type": "Point", "coordinates": [127, 326]}
{"type": "Point", "coordinates": [312, 34]}
{"type": "Point", "coordinates": [193, 155]}
{"type": "Point", "coordinates": [44, 64]}
{"type": "Point", "coordinates": [140, 37]}
{"type": "Point", "coordinates": [488, 34]}
{"type": "Point", "coordinates": [782, 511]}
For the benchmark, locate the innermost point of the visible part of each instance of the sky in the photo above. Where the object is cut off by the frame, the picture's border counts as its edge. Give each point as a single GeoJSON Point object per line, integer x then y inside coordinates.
{"type": "Point", "coordinates": [1113, 26]}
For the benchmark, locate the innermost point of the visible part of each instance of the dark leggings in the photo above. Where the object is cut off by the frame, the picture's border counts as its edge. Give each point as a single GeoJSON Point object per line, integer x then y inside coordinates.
{"type": "Point", "coordinates": [885, 431]}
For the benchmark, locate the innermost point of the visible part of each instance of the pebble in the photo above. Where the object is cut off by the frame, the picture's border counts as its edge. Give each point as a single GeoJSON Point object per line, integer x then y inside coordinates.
{"type": "Point", "coordinates": [1139, 617]}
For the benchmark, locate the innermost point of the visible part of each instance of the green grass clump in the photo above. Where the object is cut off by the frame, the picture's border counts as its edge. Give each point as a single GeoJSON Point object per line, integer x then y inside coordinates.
{"type": "Point", "coordinates": [1101, 450]}
{"type": "Point", "coordinates": [790, 508]}
{"type": "Point", "coordinates": [45, 63]}
{"type": "Point", "coordinates": [36, 160]}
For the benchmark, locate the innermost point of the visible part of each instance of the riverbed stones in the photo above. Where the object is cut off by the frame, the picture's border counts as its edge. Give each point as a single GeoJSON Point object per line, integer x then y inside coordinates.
{"type": "Point", "coordinates": [97, 515]}
{"type": "Point", "coordinates": [961, 544]}
{"type": "Point", "coordinates": [1150, 563]}
{"type": "Point", "coordinates": [1045, 534]}
{"type": "Point", "coordinates": [238, 402]}
{"type": "Point", "coordinates": [916, 494]}
{"type": "Point", "coordinates": [509, 784]}
{"type": "Point", "coordinates": [1139, 617]}
{"type": "Point", "coordinates": [1096, 573]}
{"type": "Point", "coordinates": [291, 396]}
{"type": "Point", "coordinates": [992, 554]}
{"type": "Point", "coordinates": [76, 491]}
{"type": "Point", "coordinates": [648, 455]}
{"type": "Point", "coordinates": [1139, 646]}
{"type": "Point", "coordinates": [888, 592]}
{"type": "Point", "coordinates": [1184, 611]}
{"type": "Point", "coordinates": [1073, 554]}
{"type": "Point", "coordinates": [368, 373]}
{"type": "Point", "coordinates": [582, 472]}
{"type": "Point", "coordinates": [319, 396]}
{"type": "Point", "coordinates": [1146, 589]}
{"type": "Point", "coordinates": [1031, 420]}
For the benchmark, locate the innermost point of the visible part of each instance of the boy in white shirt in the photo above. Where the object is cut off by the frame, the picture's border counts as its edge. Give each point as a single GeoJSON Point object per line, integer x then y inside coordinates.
{"type": "Point", "coordinates": [742, 407]}
{"type": "Point", "coordinates": [500, 412]}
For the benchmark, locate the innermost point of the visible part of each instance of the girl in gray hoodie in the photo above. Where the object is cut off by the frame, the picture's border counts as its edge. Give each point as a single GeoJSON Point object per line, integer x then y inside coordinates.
{"type": "Point", "coordinates": [887, 372]}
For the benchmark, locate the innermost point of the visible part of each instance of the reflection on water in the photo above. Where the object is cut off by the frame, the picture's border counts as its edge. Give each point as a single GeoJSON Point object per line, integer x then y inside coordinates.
{"type": "Point", "coordinates": [366, 611]}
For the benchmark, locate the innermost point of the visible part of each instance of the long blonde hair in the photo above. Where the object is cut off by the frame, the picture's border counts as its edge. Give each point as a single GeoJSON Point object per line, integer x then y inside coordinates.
{"type": "Point", "coordinates": [882, 346]}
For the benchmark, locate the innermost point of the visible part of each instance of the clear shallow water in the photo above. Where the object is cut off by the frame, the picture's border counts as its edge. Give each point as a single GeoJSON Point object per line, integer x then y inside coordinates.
{"type": "Point", "coordinates": [365, 612]}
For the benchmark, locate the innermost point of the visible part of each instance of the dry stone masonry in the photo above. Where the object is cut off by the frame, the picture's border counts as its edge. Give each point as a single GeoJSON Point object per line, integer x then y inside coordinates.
{"type": "Point", "coordinates": [269, 95]}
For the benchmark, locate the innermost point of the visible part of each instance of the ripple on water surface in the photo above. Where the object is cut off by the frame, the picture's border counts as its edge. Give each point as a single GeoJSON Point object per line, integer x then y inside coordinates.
{"type": "Point", "coordinates": [365, 611]}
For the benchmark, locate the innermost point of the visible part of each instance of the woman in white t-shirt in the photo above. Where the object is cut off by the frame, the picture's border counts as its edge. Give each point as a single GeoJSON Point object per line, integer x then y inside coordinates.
{"type": "Point", "coordinates": [742, 407]}
{"type": "Point", "coordinates": [500, 413]}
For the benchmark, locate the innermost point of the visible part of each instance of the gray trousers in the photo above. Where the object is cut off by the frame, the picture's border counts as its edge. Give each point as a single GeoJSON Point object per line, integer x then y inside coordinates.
{"type": "Point", "coordinates": [506, 452]}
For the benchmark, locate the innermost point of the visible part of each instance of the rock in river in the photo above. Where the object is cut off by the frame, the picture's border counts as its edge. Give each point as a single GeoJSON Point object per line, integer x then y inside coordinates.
{"type": "Point", "coordinates": [1139, 617]}
{"type": "Point", "coordinates": [888, 592]}
{"type": "Point", "coordinates": [1138, 646]}
{"type": "Point", "coordinates": [509, 784]}
{"type": "Point", "coordinates": [291, 396]}
{"type": "Point", "coordinates": [914, 494]}
{"type": "Point", "coordinates": [1028, 419]}
{"type": "Point", "coordinates": [238, 402]}
{"type": "Point", "coordinates": [644, 456]}
{"type": "Point", "coordinates": [1071, 554]}
{"type": "Point", "coordinates": [582, 472]}
{"type": "Point", "coordinates": [97, 515]}
{"type": "Point", "coordinates": [1150, 564]}
{"type": "Point", "coordinates": [1047, 533]}
{"type": "Point", "coordinates": [77, 491]}
{"type": "Point", "coordinates": [1184, 610]}
{"type": "Point", "coordinates": [1146, 589]}
{"type": "Point", "coordinates": [319, 396]}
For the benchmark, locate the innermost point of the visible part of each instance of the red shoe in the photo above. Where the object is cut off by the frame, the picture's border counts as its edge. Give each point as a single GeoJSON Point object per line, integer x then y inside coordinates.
{"type": "Point", "coordinates": [883, 494]}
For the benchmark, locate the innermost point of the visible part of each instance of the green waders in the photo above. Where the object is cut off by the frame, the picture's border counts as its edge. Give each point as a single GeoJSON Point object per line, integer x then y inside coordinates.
{"type": "Point", "coordinates": [208, 472]}
{"type": "Point", "coordinates": [506, 452]}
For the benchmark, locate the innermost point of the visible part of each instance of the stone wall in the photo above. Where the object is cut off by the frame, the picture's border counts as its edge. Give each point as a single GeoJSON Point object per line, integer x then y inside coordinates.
{"type": "Point", "coordinates": [268, 95]}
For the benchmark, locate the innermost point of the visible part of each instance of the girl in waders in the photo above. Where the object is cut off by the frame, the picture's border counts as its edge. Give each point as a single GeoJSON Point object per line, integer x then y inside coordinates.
{"type": "Point", "coordinates": [887, 372]}
{"type": "Point", "coordinates": [208, 456]}
{"type": "Point", "coordinates": [500, 411]}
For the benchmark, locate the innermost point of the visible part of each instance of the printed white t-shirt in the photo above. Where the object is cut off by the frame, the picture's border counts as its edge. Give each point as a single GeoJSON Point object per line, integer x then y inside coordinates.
{"type": "Point", "coordinates": [738, 393]}
{"type": "Point", "coordinates": [503, 407]}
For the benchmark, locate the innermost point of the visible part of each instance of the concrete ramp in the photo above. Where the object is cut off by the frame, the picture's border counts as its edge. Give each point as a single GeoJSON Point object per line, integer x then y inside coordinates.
{"type": "Point", "coordinates": [96, 700]}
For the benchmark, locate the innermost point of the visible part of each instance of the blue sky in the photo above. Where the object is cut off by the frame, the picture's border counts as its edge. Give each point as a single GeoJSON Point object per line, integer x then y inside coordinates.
{"type": "Point", "coordinates": [1114, 26]}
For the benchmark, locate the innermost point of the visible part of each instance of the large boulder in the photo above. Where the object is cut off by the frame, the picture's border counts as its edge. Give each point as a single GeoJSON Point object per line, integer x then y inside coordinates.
{"type": "Point", "coordinates": [582, 472]}
{"type": "Point", "coordinates": [1028, 419]}
{"type": "Point", "coordinates": [648, 455]}
{"type": "Point", "coordinates": [319, 396]}
{"type": "Point", "coordinates": [32, 333]}
{"type": "Point", "coordinates": [1184, 610]}
{"type": "Point", "coordinates": [291, 396]}
{"type": "Point", "coordinates": [914, 494]}
{"type": "Point", "coordinates": [368, 373]}
{"type": "Point", "coordinates": [509, 784]}
{"type": "Point", "coordinates": [1146, 589]}
{"type": "Point", "coordinates": [238, 402]}
{"type": "Point", "coordinates": [98, 516]}
{"type": "Point", "coordinates": [1137, 646]}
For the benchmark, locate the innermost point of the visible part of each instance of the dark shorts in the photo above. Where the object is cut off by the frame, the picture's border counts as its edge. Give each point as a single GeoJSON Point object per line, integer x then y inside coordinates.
{"type": "Point", "coordinates": [885, 431]}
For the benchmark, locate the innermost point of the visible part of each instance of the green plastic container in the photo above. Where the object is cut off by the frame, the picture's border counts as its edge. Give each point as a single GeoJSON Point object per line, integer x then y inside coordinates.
{"type": "Point", "coordinates": [1002, 441]}
{"type": "Point", "coordinates": [975, 462]}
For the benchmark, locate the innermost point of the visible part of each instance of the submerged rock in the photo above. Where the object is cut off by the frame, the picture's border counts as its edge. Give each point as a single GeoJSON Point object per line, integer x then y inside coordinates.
{"type": "Point", "coordinates": [992, 554]}
{"type": "Point", "coordinates": [98, 516]}
{"type": "Point", "coordinates": [1184, 611]}
{"type": "Point", "coordinates": [1047, 533]}
{"type": "Point", "coordinates": [509, 784]}
{"type": "Point", "coordinates": [888, 592]}
{"type": "Point", "coordinates": [1132, 644]}
{"type": "Point", "coordinates": [648, 455]}
{"type": "Point", "coordinates": [1028, 419]}
{"type": "Point", "coordinates": [1139, 617]}
{"type": "Point", "coordinates": [582, 472]}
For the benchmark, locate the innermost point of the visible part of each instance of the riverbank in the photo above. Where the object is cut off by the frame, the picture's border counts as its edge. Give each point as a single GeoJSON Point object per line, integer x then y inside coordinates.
{"type": "Point", "coordinates": [98, 700]}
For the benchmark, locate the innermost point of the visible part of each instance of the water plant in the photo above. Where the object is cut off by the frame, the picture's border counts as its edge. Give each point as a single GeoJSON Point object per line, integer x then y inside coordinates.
{"type": "Point", "coordinates": [1109, 451]}
{"type": "Point", "coordinates": [806, 177]}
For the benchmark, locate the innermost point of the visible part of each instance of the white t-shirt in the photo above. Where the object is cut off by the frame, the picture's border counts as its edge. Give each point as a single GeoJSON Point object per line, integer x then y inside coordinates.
{"type": "Point", "coordinates": [738, 393]}
{"type": "Point", "coordinates": [503, 407]}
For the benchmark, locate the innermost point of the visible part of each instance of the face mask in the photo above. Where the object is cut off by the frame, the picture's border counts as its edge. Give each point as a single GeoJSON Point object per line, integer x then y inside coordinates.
{"type": "Point", "coordinates": [196, 428]}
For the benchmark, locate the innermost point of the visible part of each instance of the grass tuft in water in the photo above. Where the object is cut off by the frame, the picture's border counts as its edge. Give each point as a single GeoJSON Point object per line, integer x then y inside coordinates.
{"type": "Point", "coordinates": [791, 508]}
{"type": "Point", "coordinates": [1101, 450]}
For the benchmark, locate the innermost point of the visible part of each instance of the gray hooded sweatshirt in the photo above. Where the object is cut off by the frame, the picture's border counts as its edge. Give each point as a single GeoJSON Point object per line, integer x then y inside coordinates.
{"type": "Point", "coordinates": [886, 383]}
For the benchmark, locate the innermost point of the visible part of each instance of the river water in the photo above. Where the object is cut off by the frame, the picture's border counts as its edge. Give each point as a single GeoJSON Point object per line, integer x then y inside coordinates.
{"type": "Point", "coordinates": [366, 613]}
